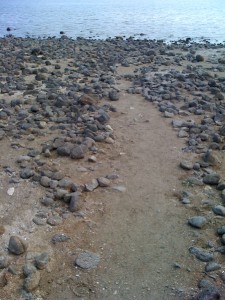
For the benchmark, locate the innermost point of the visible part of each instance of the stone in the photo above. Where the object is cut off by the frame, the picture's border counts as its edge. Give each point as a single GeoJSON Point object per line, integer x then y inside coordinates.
{"type": "Point", "coordinates": [212, 179]}
{"type": "Point", "coordinates": [26, 173]}
{"type": "Point", "coordinates": [4, 262]}
{"type": "Point", "coordinates": [16, 245]}
{"type": "Point", "coordinates": [45, 181]}
{"type": "Point", "coordinates": [119, 188]}
{"type": "Point", "coordinates": [103, 182]}
{"type": "Point", "coordinates": [221, 230]}
{"type": "Point", "coordinates": [197, 221]}
{"type": "Point", "coordinates": [91, 186]}
{"type": "Point", "coordinates": [29, 269]}
{"type": "Point", "coordinates": [78, 152]}
{"type": "Point", "coordinates": [74, 202]}
{"type": "Point", "coordinates": [211, 158]}
{"type": "Point", "coordinates": [212, 266]}
{"type": "Point", "coordinates": [210, 293]}
{"type": "Point", "coordinates": [92, 159]}
{"type": "Point", "coordinates": [32, 281]}
{"type": "Point", "coordinates": [219, 210]}
{"type": "Point", "coordinates": [39, 221]}
{"type": "Point", "coordinates": [186, 165]}
{"type": "Point", "coordinates": [54, 220]}
{"type": "Point", "coordinates": [223, 195]}
{"type": "Point", "coordinates": [59, 238]}
{"type": "Point", "coordinates": [199, 58]}
{"type": "Point", "coordinates": [201, 254]}
{"type": "Point", "coordinates": [41, 261]}
{"type": "Point", "coordinates": [87, 260]}
{"type": "Point", "coordinates": [182, 134]}
{"type": "Point", "coordinates": [113, 95]}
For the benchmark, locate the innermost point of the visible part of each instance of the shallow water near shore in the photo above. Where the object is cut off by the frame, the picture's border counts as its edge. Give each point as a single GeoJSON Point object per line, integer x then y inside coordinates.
{"type": "Point", "coordinates": [166, 19]}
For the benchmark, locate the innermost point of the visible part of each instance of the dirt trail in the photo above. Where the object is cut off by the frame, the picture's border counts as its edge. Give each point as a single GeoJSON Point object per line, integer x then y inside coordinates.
{"type": "Point", "coordinates": [143, 232]}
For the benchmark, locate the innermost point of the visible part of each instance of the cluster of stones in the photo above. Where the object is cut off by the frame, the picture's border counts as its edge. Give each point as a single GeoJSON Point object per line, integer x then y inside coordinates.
{"type": "Point", "coordinates": [198, 92]}
{"type": "Point", "coordinates": [70, 77]}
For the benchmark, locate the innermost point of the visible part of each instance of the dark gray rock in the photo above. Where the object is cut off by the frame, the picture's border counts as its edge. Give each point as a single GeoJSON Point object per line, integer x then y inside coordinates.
{"type": "Point", "coordinates": [78, 152]}
{"type": "Point", "coordinates": [212, 179]}
{"type": "Point", "coordinates": [210, 293]}
{"type": "Point", "coordinates": [197, 221]}
{"type": "Point", "coordinates": [16, 245]}
{"type": "Point", "coordinates": [219, 210]}
{"type": "Point", "coordinates": [26, 173]}
{"type": "Point", "coordinates": [212, 266]}
{"type": "Point", "coordinates": [113, 95]}
{"type": "Point", "coordinates": [74, 202]}
{"type": "Point", "coordinates": [201, 254]}
{"type": "Point", "coordinates": [59, 238]}
{"type": "Point", "coordinates": [186, 165]}
{"type": "Point", "coordinates": [41, 261]}
{"type": "Point", "coordinates": [87, 260]}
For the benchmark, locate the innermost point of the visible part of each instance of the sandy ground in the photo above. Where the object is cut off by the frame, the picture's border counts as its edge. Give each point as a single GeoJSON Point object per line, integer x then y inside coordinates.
{"type": "Point", "coordinates": [141, 233]}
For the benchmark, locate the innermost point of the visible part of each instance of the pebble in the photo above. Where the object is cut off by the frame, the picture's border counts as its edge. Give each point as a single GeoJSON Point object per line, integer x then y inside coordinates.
{"type": "Point", "coordinates": [26, 173]}
{"type": "Point", "coordinates": [212, 266]}
{"type": "Point", "coordinates": [59, 238]}
{"type": "Point", "coordinates": [87, 260]}
{"type": "Point", "coordinates": [54, 220]}
{"type": "Point", "coordinates": [186, 165]}
{"type": "Point", "coordinates": [41, 261]}
{"type": "Point", "coordinates": [91, 186]}
{"type": "Point", "coordinates": [219, 210]}
{"type": "Point", "coordinates": [197, 221]}
{"type": "Point", "coordinates": [103, 182]}
{"type": "Point", "coordinates": [201, 254]}
{"type": "Point", "coordinates": [16, 245]}
{"type": "Point", "coordinates": [74, 204]}
{"type": "Point", "coordinates": [119, 188]}
{"type": "Point", "coordinates": [212, 179]}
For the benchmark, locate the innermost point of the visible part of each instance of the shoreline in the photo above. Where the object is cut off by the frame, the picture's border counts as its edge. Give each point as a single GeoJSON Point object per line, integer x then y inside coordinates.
{"type": "Point", "coordinates": [57, 96]}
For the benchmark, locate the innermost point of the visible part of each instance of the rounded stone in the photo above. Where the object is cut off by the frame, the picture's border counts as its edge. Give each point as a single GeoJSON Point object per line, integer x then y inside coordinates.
{"type": "Point", "coordinates": [87, 260]}
{"type": "Point", "coordinates": [197, 221]}
{"type": "Point", "coordinates": [16, 245]}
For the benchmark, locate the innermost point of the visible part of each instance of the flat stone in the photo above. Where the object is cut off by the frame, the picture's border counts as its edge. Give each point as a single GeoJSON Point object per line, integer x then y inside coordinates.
{"type": "Point", "coordinates": [201, 254]}
{"type": "Point", "coordinates": [16, 245]}
{"type": "Point", "coordinates": [212, 266]}
{"type": "Point", "coordinates": [54, 220]}
{"type": "Point", "coordinates": [186, 165]}
{"type": "Point", "coordinates": [87, 260]}
{"type": "Point", "coordinates": [74, 202]}
{"type": "Point", "coordinates": [59, 238]}
{"type": "Point", "coordinates": [197, 221]}
{"type": "Point", "coordinates": [78, 152]}
{"type": "Point", "coordinates": [212, 179]}
{"type": "Point", "coordinates": [91, 186]}
{"type": "Point", "coordinates": [103, 182]}
{"type": "Point", "coordinates": [39, 221]}
{"type": "Point", "coordinates": [219, 210]}
{"type": "Point", "coordinates": [26, 173]}
{"type": "Point", "coordinates": [42, 260]}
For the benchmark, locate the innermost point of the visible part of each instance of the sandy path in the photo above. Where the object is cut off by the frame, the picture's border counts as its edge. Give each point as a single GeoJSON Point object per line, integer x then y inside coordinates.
{"type": "Point", "coordinates": [144, 232]}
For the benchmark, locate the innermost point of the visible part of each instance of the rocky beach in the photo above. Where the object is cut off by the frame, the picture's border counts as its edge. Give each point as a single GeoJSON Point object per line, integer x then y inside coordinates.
{"type": "Point", "coordinates": [112, 169]}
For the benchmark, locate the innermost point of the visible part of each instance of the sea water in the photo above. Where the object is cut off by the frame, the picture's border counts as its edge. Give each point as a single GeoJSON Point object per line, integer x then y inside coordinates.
{"type": "Point", "coordinates": [154, 19]}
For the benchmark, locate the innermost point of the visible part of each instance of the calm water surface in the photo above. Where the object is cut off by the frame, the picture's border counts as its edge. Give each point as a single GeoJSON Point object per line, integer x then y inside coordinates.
{"type": "Point", "coordinates": [157, 19]}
